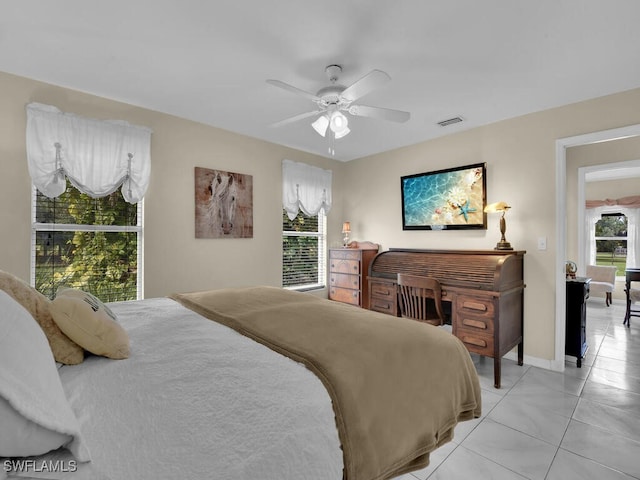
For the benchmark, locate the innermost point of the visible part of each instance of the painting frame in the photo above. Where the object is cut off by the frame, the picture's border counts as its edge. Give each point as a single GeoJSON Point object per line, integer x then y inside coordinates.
{"type": "Point", "coordinates": [223, 204]}
{"type": "Point", "coordinates": [448, 199]}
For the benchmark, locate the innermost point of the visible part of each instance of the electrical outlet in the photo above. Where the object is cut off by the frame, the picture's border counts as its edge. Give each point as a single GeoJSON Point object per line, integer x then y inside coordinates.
{"type": "Point", "coordinates": [542, 243]}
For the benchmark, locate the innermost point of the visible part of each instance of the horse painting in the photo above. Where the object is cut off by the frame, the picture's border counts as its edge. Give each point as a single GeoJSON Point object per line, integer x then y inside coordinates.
{"type": "Point", "coordinates": [224, 204]}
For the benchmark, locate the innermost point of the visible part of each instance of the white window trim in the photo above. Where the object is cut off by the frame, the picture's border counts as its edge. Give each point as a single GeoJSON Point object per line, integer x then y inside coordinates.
{"type": "Point", "coordinates": [60, 227]}
{"type": "Point", "coordinates": [322, 253]}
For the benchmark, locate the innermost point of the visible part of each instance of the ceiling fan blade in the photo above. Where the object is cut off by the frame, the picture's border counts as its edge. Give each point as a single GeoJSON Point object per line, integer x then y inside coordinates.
{"type": "Point", "coordinates": [296, 118]}
{"type": "Point", "coordinates": [371, 81]}
{"type": "Point", "coordinates": [291, 88]}
{"type": "Point", "coordinates": [379, 113]}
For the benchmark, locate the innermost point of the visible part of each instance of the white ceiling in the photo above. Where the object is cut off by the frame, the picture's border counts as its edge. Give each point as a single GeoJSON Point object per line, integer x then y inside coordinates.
{"type": "Point", "coordinates": [208, 60]}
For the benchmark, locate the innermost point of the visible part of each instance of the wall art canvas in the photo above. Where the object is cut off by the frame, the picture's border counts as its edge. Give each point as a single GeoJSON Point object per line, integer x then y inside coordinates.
{"type": "Point", "coordinates": [451, 199]}
{"type": "Point", "coordinates": [224, 204]}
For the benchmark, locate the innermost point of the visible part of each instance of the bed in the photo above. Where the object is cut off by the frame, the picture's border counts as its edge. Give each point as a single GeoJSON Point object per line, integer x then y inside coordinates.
{"type": "Point", "coordinates": [260, 382]}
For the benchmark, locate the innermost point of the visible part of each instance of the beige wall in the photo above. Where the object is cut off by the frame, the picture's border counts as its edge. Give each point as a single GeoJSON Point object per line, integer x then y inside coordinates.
{"type": "Point", "coordinates": [521, 165]}
{"type": "Point", "coordinates": [520, 157]}
{"type": "Point", "coordinates": [174, 260]}
{"type": "Point", "coordinates": [612, 188]}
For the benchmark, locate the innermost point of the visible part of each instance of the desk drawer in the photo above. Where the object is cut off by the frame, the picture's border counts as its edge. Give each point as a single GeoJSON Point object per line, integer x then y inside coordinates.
{"type": "Point", "coordinates": [383, 290]}
{"type": "Point", "coordinates": [345, 295]}
{"type": "Point", "coordinates": [475, 306]}
{"type": "Point", "coordinates": [481, 324]}
{"type": "Point", "coordinates": [344, 280]}
{"type": "Point", "coordinates": [382, 305]}
{"type": "Point", "coordinates": [476, 341]}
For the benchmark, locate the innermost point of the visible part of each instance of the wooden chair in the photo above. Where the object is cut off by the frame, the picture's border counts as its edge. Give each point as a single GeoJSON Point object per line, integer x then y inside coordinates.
{"type": "Point", "coordinates": [418, 296]}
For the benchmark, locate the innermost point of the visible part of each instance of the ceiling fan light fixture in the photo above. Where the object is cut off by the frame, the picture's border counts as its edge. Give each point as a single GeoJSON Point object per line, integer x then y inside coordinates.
{"type": "Point", "coordinates": [343, 133]}
{"type": "Point", "coordinates": [321, 124]}
{"type": "Point", "coordinates": [339, 124]}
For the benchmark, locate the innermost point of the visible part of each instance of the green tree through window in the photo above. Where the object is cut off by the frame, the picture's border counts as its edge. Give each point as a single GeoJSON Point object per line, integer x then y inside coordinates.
{"type": "Point", "coordinates": [611, 241]}
{"type": "Point", "coordinates": [87, 243]}
{"type": "Point", "coordinates": [303, 250]}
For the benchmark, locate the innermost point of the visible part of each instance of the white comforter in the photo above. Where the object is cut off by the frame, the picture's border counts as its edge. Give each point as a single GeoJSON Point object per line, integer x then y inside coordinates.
{"type": "Point", "coordinates": [197, 400]}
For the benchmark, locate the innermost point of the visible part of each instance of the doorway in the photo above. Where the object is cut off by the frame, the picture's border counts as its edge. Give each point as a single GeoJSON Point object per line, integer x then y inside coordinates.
{"type": "Point", "coordinates": [562, 145]}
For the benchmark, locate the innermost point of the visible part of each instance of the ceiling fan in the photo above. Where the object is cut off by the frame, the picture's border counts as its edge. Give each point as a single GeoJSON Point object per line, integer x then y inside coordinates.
{"type": "Point", "coordinates": [335, 99]}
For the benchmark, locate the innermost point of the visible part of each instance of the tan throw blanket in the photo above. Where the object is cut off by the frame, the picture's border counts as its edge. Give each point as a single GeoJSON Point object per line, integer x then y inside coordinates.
{"type": "Point", "coordinates": [398, 386]}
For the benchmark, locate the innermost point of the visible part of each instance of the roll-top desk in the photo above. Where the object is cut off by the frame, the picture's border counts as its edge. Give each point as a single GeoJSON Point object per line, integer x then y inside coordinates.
{"type": "Point", "coordinates": [485, 289]}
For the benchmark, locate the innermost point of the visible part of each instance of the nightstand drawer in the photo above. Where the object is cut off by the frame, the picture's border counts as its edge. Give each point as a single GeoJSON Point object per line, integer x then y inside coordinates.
{"type": "Point", "coordinates": [345, 295]}
{"type": "Point", "coordinates": [344, 280]}
{"type": "Point", "coordinates": [345, 254]}
{"type": "Point", "coordinates": [344, 266]}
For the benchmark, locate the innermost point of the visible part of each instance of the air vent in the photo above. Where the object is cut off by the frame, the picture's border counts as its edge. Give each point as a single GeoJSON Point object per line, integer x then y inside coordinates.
{"type": "Point", "coordinates": [450, 121]}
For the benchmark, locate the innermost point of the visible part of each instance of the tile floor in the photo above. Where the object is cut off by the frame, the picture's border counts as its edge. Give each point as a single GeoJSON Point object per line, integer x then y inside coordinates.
{"type": "Point", "coordinates": [542, 425]}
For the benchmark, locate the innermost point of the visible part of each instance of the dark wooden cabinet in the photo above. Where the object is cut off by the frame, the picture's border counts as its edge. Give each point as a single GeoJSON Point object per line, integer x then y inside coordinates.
{"type": "Point", "coordinates": [348, 269]}
{"type": "Point", "coordinates": [575, 343]}
{"type": "Point", "coordinates": [484, 290]}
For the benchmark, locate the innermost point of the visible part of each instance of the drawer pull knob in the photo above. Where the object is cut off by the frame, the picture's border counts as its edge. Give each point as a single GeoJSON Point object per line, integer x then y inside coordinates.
{"type": "Point", "coordinates": [481, 307]}
{"type": "Point", "coordinates": [474, 341]}
{"type": "Point", "coordinates": [474, 323]}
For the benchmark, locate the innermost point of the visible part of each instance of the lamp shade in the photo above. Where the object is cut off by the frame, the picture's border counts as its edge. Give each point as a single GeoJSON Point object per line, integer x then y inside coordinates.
{"type": "Point", "coordinates": [338, 122]}
{"type": "Point", "coordinates": [321, 125]}
{"type": "Point", "coordinates": [497, 207]}
{"type": "Point", "coordinates": [346, 227]}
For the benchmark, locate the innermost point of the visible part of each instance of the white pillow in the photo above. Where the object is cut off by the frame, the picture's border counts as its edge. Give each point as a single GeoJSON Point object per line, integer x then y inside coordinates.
{"type": "Point", "coordinates": [89, 323]}
{"type": "Point", "coordinates": [34, 412]}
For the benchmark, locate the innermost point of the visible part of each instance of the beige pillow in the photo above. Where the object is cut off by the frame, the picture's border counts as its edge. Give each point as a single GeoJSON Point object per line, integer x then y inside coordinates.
{"type": "Point", "coordinates": [89, 323]}
{"type": "Point", "coordinates": [63, 349]}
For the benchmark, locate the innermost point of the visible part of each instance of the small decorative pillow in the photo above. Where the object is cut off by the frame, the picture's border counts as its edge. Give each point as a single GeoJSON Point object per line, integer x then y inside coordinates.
{"type": "Point", "coordinates": [64, 350]}
{"type": "Point", "coordinates": [34, 413]}
{"type": "Point", "coordinates": [89, 323]}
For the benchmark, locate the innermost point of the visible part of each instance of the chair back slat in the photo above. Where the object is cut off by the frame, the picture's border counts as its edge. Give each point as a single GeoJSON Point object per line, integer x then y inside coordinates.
{"type": "Point", "coordinates": [416, 293]}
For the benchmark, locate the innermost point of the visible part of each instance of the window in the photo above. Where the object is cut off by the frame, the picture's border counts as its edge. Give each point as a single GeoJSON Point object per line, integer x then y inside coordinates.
{"type": "Point", "coordinates": [303, 251]}
{"type": "Point", "coordinates": [611, 241]}
{"type": "Point", "coordinates": [94, 244]}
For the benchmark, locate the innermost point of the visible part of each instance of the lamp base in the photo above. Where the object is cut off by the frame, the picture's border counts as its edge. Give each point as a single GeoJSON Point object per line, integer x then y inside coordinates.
{"type": "Point", "coordinates": [503, 245]}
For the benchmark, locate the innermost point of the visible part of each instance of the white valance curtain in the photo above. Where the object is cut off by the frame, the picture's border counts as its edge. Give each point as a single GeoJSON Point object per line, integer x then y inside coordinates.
{"type": "Point", "coordinates": [97, 156]}
{"type": "Point", "coordinates": [629, 207]}
{"type": "Point", "coordinates": [306, 188]}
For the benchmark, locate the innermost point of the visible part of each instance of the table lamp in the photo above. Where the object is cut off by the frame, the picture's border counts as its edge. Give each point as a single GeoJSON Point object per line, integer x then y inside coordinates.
{"type": "Point", "coordinates": [500, 207]}
{"type": "Point", "coordinates": [346, 230]}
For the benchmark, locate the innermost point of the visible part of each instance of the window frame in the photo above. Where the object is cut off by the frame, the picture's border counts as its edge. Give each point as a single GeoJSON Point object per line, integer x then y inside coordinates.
{"type": "Point", "coordinates": [321, 234]}
{"type": "Point", "coordinates": [625, 238]}
{"type": "Point", "coordinates": [62, 227]}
